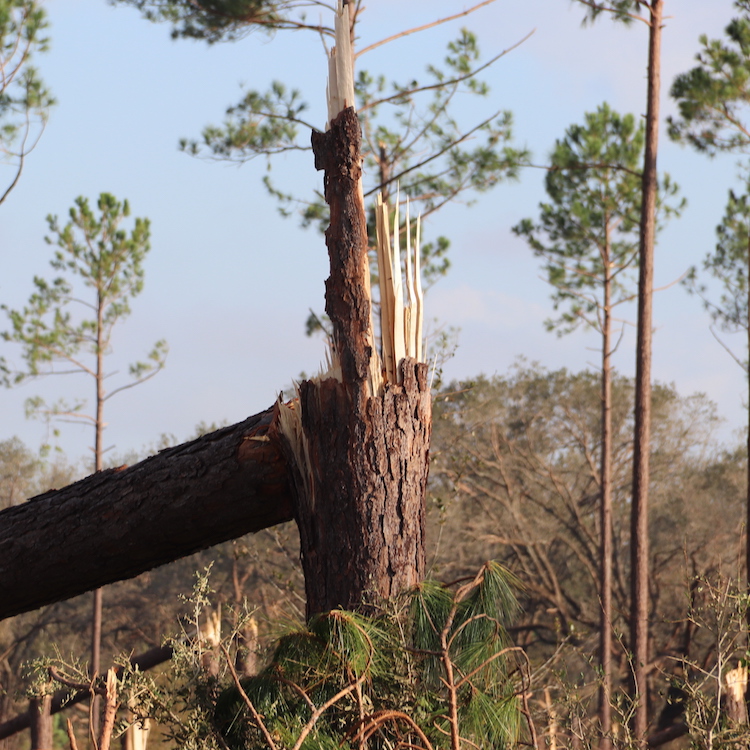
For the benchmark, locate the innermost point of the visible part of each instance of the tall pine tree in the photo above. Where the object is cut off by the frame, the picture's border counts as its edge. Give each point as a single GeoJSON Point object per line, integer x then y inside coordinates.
{"type": "Point", "coordinates": [713, 98]}
{"type": "Point", "coordinates": [69, 321]}
{"type": "Point", "coordinates": [650, 13]}
{"type": "Point", "coordinates": [587, 238]}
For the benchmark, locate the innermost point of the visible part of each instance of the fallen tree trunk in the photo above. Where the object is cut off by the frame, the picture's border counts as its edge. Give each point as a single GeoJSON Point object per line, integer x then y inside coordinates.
{"type": "Point", "coordinates": [121, 522]}
{"type": "Point", "coordinates": [354, 449]}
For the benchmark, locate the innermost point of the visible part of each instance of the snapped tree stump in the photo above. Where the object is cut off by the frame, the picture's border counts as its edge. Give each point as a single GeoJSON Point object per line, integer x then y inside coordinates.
{"type": "Point", "coordinates": [358, 447]}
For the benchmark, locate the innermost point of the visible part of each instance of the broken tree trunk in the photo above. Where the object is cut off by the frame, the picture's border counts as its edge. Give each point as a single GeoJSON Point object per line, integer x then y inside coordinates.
{"type": "Point", "coordinates": [119, 523]}
{"type": "Point", "coordinates": [359, 444]}
{"type": "Point", "coordinates": [350, 466]}
{"type": "Point", "coordinates": [358, 438]}
{"type": "Point", "coordinates": [361, 496]}
{"type": "Point", "coordinates": [41, 722]}
{"type": "Point", "coordinates": [735, 705]}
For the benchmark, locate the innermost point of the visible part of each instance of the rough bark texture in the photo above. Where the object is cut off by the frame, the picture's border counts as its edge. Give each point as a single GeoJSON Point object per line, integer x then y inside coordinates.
{"type": "Point", "coordinates": [747, 496]}
{"type": "Point", "coordinates": [639, 545]}
{"type": "Point", "coordinates": [361, 514]}
{"type": "Point", "coordinates": [41, 723]}
{"type": "Point", "coordinates": [348, 303]}
{"type": "Point", "coordinates": [360, 500]}
{"type": "Point", "coordinates": [121, 522]}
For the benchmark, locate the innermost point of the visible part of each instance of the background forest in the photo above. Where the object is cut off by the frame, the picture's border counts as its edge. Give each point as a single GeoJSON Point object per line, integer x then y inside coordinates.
{"type": "Point", "coordinates": [516, 472]}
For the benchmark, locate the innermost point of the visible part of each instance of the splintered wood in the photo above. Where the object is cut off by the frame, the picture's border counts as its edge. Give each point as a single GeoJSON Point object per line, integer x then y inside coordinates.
{"type": "Point", "coordinates": [401, 297]}
{"type": "Point", "coordinates": [340, 90]}
{"type": "Point", "coordinates": [357, 438]}
{"type": "Point", "coordinates": [401, 316]}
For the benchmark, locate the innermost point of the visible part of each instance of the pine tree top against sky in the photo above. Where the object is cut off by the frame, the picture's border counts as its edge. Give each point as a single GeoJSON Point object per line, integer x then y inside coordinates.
{"type": "Point", "coordinates": [230, 283]}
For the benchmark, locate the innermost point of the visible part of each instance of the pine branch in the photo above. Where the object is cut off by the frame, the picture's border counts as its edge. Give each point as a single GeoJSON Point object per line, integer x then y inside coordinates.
{"type": "Point", "coordinates": [422, 28]}
{"type": "Point", "coordinates": [445, 84]}
{"type": "Point", "coordinates": [434, 156]}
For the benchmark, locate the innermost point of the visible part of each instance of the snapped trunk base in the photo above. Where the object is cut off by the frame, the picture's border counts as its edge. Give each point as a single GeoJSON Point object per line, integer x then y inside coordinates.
{"type": "Point", "coordinates": [359, 477]}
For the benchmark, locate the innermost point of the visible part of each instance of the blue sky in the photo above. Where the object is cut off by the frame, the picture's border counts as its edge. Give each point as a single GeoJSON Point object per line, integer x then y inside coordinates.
{"type": "Point", "coordinates": [229, 282]}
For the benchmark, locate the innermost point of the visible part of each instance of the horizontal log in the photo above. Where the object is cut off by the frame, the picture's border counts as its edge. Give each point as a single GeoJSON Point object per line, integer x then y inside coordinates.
{"type": "Point", "coordinates": [122, 522]}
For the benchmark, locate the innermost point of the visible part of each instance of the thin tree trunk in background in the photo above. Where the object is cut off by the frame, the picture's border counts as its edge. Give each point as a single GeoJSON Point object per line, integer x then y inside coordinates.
{"type": "Point", "coordinates": [360, 499]}
{"type": "Point", "coordinates": [96, 614]}
{"type": "Point", "coordinates": [747, 500]}
{"type": "Point", "coordinates": [41, 722]}
{"type": "Point", "coordinates": [96, 633]}
{"type": "Point", "coordinates": [605, 517]}
{"type": "Point", "coordinates": [641, 474]}
{"type": "Point", "coordinates": [96, 644]}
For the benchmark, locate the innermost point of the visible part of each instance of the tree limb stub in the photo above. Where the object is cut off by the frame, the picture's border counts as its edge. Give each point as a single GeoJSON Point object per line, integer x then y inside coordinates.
{"type": "Point", "coordinates": [122, 522]}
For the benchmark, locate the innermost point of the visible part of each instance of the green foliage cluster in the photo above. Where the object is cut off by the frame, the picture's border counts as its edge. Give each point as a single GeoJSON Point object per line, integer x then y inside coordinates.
{"type": "Point", "coordinates": [95, 252]}
{"type": "Point", "coordinates": [427, 670]}
{"type": "Point", "coordinates": [625, 11]}
{"type": "Point", "coordinates": [397, 153]}
{"type": "Point", "coordinates": [215, 21]}
{"type": "Point", "coordinates": [588, 234]}
{"type": "Point", "coordinates": [713, 96]}
{"type": "Point", "coordinates": [405, 139]}
{"type": "Point", "coordinates": [24, 100]}
{"type": "Point", "coordinates": [729, 265]}
{"type": "Point", "coordinates": [260, 124]}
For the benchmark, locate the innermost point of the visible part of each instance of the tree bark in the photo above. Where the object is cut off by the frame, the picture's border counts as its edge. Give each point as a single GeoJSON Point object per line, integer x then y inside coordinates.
{"type": "Point", "coordinates": [98, 594]}
{"type": "Point", "coordinates": [747, 444]}
{"type": "Point", "coordinates": [361, 518]}
{"type": "Point", "coordinates": [360, 494]}
{"type": "Point", "coordinates": [605, 513]}
{"type": "Point", "coordinates": [121, 522]}
{"type": "Point", "coordinates": [41, 722]}
{"type": "Point", "coordinates": [639, 546]}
